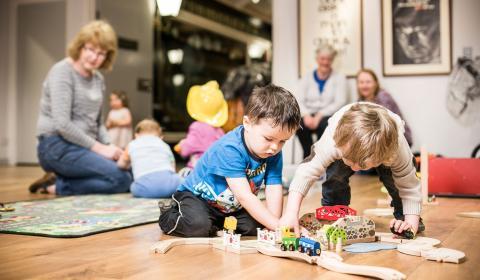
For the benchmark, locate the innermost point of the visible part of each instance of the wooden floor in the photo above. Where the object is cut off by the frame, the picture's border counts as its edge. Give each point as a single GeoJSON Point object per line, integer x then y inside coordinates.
{"type": "Point", "coordinates": [125, 253]}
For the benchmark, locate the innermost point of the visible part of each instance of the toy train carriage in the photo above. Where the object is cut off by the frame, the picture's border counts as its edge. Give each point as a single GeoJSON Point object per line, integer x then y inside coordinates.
{"type": "Point", "coordinates": [289, 243]}
{"type": "Point", "coordinates": [333, 213]}
{"type": "Point", "coordinates": [309, 246]}
{"type": "Point", "coordinates": [304, 245]}
{"type": "Point", "coordinates": [357, 229]}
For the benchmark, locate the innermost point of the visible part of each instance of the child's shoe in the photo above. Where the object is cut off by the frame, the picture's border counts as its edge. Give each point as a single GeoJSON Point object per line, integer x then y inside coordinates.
{"type": "Point", "coordinates": [164, 204]}
{"type": "Point", "coordinates": [41, 184]}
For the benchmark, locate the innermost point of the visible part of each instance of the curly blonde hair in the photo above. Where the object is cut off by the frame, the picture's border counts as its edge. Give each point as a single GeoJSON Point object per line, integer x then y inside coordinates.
{"type": "Point", "coordinates": [101, 34]}
{"type": "Point", "coordinates": [148, 126]}
{"type": "Point", "coordinates": [368, 134]}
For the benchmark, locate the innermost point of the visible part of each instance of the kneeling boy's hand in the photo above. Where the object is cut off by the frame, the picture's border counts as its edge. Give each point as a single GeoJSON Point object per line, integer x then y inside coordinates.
{"type": "Point", "coordinates": [290, 221]}
{"type": "Point", "coordinates": [411, 222]}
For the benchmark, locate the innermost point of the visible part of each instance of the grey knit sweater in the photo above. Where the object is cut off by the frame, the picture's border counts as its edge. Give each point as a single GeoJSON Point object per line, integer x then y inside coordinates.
{"type": "Point", "coordinates": [71, 106]}
{"type": "Point", "coordinates": [325, 152]}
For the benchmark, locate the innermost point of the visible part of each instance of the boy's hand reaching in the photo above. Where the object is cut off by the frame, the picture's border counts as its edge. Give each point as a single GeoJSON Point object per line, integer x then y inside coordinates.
{"type": "Point", "coordinates": [291, 221]}
{"type": "Point", "coordinates": [411, 222]}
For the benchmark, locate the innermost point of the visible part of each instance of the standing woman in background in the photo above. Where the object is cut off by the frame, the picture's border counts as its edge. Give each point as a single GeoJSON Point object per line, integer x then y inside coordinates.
{"type": "Point", "coordinates": [369, 90]}
{"type": "Point", "coordinates": [320, 94]}
{"type": "Point", "coordinates": [73, 143]}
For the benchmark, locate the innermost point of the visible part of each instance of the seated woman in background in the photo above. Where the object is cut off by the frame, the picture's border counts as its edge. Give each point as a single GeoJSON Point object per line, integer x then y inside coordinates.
{"type": "Point", "coordinates": [73, 144]}
{"type": "Point", "coordinates": [369, 90]}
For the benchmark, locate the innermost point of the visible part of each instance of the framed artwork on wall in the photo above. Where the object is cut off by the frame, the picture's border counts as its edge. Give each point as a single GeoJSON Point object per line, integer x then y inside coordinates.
{"type": "Point", "coordinates": [416, 37]}
{"type": "Point", "coordinates": [337, 23]}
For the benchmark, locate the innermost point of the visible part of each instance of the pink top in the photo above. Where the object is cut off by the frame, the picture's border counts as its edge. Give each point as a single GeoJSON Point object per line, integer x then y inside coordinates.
{"type": "Point", "coordinates": [199, 138]}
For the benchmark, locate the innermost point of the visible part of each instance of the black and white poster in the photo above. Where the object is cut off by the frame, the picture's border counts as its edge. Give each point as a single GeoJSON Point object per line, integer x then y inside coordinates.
{"type": "Point", "coordinates": [416, 37]}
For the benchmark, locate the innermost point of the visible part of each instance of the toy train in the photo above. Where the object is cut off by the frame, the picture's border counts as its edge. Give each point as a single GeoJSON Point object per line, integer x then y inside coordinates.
{"type": "Point", "coordinates": [302, 244]}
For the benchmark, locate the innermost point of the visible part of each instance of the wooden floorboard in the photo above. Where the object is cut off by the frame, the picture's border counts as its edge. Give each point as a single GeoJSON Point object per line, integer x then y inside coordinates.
{"type": "Point", "coordinates": [124, 254]}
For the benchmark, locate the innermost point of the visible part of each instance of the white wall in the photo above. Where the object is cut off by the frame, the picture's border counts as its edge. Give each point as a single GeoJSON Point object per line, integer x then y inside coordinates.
{"type": "Point", "coordinates": [40, 44]}
{"type": "Point", "coordinates": [134, 22]}
{"type": "Point", "coordinates": [4, 27]}
{"type": "Point", "coordinates": [285, 60]}
{"type": "Point", "coordinates": [422, 99]}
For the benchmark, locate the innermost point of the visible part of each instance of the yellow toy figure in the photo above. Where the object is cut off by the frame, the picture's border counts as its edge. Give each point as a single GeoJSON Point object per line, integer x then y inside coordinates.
{"type": "Point", "coordinates": [230, 224]}
{"type": "Point", "coordinates": [206, 105]}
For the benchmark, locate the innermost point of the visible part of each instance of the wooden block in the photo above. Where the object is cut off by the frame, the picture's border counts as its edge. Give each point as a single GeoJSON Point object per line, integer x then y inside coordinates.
{"type": "Point", "coordinates": [384, 201]}
{"type": "Point", "coordinates": [443, 255]}
{"type": "Point", "coordinates": [246, 247]}
{"type": "Point", "coordinates": [334, 262]}
{"type": "Point", "coordinates": [390, 238]}
{"type": "Point", "coordinates": [469, 214]}
{"type": "Point", "coordinates": [379, 212]}
{"type": "Point", "coordinates": [413, 249]}
{"type": "Point", "coordinates": [163, 246]}
{"type": "Point", "coordinates": [431, 253]}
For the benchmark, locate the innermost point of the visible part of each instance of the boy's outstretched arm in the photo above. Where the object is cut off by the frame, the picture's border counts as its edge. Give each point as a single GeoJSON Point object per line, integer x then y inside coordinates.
{"type": "Point", "coordinates": [290, 215]}
{"type": "Point", "coordinates": [274, 197]}
{"type": "Point", "coordinates": [241, 190]}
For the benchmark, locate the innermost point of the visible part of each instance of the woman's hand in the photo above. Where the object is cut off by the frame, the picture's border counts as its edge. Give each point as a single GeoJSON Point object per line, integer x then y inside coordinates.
{"type": "Point", "coordinates": [108, 151]}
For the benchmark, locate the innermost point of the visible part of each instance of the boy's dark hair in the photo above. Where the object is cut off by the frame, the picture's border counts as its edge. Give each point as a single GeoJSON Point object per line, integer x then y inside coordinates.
{"type": "Point", "coordinates": [274, 103]}
{"type": "Point", "coordinates": [122, 96]}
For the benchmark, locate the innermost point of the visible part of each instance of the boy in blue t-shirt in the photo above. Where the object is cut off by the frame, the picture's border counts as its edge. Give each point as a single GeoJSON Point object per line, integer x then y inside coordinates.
{"type": "Point", "coordinates": [228, 176]}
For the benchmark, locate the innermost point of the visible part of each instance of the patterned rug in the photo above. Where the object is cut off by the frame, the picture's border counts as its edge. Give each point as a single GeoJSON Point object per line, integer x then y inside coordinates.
{"type": "Point", "coordinates": [77, 216]}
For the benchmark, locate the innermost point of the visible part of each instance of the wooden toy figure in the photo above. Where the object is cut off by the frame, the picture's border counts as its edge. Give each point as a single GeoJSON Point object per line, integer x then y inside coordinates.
{"type": "Point", "coordinates": [230, 224]}
{"type": "Point", "coordinates": [229, 236]}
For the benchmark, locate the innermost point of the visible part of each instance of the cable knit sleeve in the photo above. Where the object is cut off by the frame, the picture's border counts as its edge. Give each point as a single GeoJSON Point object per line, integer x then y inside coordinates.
{"type": "Point", "coordinates": [405, 178]}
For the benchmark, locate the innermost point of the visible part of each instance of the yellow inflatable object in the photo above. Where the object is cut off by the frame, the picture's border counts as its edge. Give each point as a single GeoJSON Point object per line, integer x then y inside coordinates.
{"type": "Point", "coordinates": [205, 103]}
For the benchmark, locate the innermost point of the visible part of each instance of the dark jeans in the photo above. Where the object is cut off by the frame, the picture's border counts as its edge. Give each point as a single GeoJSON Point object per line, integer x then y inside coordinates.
{"type": "Point", "coordinates": [79, 170]}
{"type": "Point", "coordinates": [305, 134]}
{"type": "Point", "coordinates": [192, 216]}
{"type": "Point", "coordinates": [336, 188]}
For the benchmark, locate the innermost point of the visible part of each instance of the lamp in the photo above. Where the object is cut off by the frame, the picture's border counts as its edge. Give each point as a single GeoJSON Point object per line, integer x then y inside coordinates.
{"type": "Point", "coordinates": [169, 7]}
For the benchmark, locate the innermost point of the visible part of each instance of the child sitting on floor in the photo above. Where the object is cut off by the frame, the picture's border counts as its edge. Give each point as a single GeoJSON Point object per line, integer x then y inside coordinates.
{"type": "Point", "coordinates": [358, 137]}
{"type": "Point", "coordinates": [228, 176]}
{"type": "Point", "coordinates": [206, 105]}
{"type": "Point", "coordinates": [152, 162]}
{"type": "Point", "coordinates": [119, 119]}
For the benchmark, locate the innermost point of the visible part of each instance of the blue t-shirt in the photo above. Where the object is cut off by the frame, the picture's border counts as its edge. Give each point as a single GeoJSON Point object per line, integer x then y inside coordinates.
{"type": "Point", "coordinates": [229, 157]}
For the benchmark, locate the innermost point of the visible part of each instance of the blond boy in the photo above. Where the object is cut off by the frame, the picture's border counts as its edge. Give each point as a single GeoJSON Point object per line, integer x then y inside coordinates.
{"type": "Point", "coordinates": [360, 136]}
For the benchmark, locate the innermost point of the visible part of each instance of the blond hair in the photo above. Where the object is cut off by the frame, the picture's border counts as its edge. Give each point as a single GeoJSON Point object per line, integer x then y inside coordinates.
{"type": "Point", "coordinates": [148, 126]}
{"type": "Point", "coordinates": [368, 133]}
{"type": "Point", "coordinates": [99, 33]}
